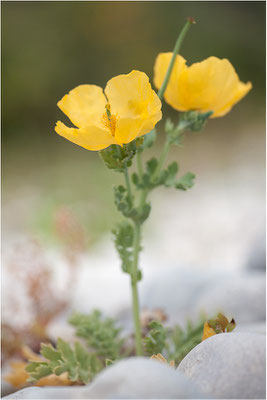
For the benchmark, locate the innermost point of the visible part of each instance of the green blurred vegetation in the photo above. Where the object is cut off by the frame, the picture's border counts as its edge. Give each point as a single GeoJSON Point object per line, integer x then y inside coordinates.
{"type": "Point", "coordinates": [49, 48]}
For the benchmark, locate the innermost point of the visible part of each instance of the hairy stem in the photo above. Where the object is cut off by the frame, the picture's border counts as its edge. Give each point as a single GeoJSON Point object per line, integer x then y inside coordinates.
{"type": "Point", "coordinates": [176, 50]}
{"type": "Point", "coordinates": [128, 184]}
{"type": "Point", "coordinates": [139, 163]}
{"type": "Point", "coordinates": [162, 159]}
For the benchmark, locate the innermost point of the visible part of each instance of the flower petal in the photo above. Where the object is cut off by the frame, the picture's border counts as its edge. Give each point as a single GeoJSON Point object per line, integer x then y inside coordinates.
{"type": "Point", "coordinates": [131, 96]}
{"type": "Point", "coordinates": [128, 129]}
{"type": "Point", "coordinates": [91, 138]}
{"type": "Point", "coordinates": [208, 85]}
{"type": "Point", "coordinates": [172, 91]}
{"type": "Point", "coordinates": [84, 105]}
{"type": "Point", "coordinates": [241, 91]}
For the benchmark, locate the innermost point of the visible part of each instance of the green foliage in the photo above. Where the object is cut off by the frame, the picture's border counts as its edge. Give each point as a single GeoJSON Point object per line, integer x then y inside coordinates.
{"type": "Point", "coordinates": [191, 120]}
{"type": "Point", "coordinates": [124, 237]}
{"type": "Point", "coordinates": [125, 206]}
{"type": "Point", "coordinates": [101, 334]}
{"type": "Point", "coordinates": [155, 341]}
{"type": "Point", "coordinates": [167, 177]}
{"type": "Point", "coordinates": [185, 182]}
{"type": "Point", "coordinates": [80, 365]}
{"type": "Point", "coordinates": [118, 157]}
{"type": "Point", "coordinates": [175, 134]}
{"type": "Point", "coordinates": [174, 343]}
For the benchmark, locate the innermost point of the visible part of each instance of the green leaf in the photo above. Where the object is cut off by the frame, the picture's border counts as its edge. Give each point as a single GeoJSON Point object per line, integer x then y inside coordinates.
{"type": "Point", "coordinates": [124, 236]}
{"type": "Point", "coordinates": [118, 157]}
{"type": "Point", "coordinates": [168, 177]}
{"type": "Point", "coordinates": [32, 367]}
{"type": "Point", "coordinates": [123, 202]}
{"type": "Point", "coordinates": [156, 339]}
{"type": "Point", "coordinates": [175, 134]}
{"type": "Point", "coordinates": [101, 334]}
{"type": "Point", "coordinates": [78, 362]}
{"type": "Point", "coordinates": [185, 182]}
{"type": "Point", "coordinates": [48, 352]}
{"type": "Point", "coordinates": [65, 350]}
{"type": "Point", "coordinates": [41, 371]}
{"type": "Point", "coordinates": [193, 120]}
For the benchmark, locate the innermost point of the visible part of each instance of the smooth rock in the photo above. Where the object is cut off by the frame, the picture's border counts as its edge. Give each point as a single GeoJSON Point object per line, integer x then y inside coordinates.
{"type": "Point", "coordinates": [141, 378]}
{"type": "Point", "coordinates": [26, 393]}
{"type": "Point", "coordinates": [55, 392]}
{"type": "Point", "coordinates": [256, 327]}
{"type": "Point", "coordinates": [175, 291]}
{"type": "Point", "coordinates": [257, 256]}
{"type": "Point", "coordinates": [241, 296]}
{"type": "Point", "coordinates": [185, 294]}
{"type": "Point", "coordinates": [228, 366]}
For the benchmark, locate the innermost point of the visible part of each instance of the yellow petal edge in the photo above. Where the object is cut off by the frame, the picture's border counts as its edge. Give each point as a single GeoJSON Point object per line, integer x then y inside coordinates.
{"type": "Point", "coordinates": [209, 85]}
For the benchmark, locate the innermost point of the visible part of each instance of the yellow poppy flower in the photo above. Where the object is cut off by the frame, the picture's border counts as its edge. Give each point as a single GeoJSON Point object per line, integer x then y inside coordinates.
{"type": "Point", "coordinates": [128, 108]}
{"type": "Point", "coordinates": [209, 85]}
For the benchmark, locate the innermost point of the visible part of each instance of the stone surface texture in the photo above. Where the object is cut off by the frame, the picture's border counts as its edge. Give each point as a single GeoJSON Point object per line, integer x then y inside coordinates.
{"type": "Point", "coordinates": [185, 294]}
{"type": "Point", "coordinates": [229, 366]}
{"type": "Point", "coordinates": [141, 378]}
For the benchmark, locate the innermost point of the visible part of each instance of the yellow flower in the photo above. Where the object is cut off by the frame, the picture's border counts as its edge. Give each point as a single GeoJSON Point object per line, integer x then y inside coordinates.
{"type": "Point", "coordinates": [129, 108]}
{"type": "Point", "coordinates": [209, 85]}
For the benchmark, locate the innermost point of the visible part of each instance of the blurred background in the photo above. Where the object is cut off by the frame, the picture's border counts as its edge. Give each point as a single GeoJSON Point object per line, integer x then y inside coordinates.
{"type": "Point", "coordinates": [57, 198]}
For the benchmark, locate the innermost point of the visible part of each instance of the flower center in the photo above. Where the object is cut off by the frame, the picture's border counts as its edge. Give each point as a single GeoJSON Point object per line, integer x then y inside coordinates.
{"type": "Point", "coordinates": [108, 120]}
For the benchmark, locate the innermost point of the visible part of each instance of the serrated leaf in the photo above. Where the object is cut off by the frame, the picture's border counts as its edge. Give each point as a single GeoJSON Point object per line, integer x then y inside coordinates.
{"type": "Point", "coordinates": [33, 366]}
{"type": "Point", "coordinates": [168, 177]}
{"type": "Point", "coordinates": [60, 369]}
{"type": "Point", "coordinates": [41, 371]}
{"type": "Point", "coordinates": [67, 353]}
{"type": "Point", "coordinates": [118, 157]}
{"type": "Point", "coordinates": [101, 334]}
{"type": "Point", "coordinates": [49, 352]}
{"type": "Point", "coordinates": [124, 235]}
{"type": "Point", "coordinates": [185, 182]}
{"type": "Point", "coordinates": [156, 338]}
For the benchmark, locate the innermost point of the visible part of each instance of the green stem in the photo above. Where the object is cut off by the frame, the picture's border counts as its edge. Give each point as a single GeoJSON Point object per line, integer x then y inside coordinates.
{"type": "Point", "coordinates": [162, 159]}
{"type": "Point", "coordinates": [127, 181]}
{"type": "Point", "coordinates": [176, 50]}
{"type": "Point", "coordinates": [134, 280]}
{"type": "Point", "coordinates": [139, 163]}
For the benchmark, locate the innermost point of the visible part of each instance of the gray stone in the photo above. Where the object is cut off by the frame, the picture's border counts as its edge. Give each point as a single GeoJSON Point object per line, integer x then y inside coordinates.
{"type": "Point", "coordinates": [185, 294]}
{"type": "Point", "coordinates": [228, 366]}
{"type": "Point", "coordinates": [55, 392]}
{"type": "Point", "coordinates": [256, 327]}
{"type": "Point", "coordinates": [257, 256]}
{"type": "Point", "coordinates": [26, 393]}
{"type": "Point", "coordinates": [240, 296]}
{"type": "Point", "coordinates": [141, 378]}
{"type": "Point", "coordinates": [176, 291]}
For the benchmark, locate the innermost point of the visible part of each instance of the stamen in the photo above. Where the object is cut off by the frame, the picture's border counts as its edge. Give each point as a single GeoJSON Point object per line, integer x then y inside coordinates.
{"type": "Point", "coordinates": [108, 120]}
